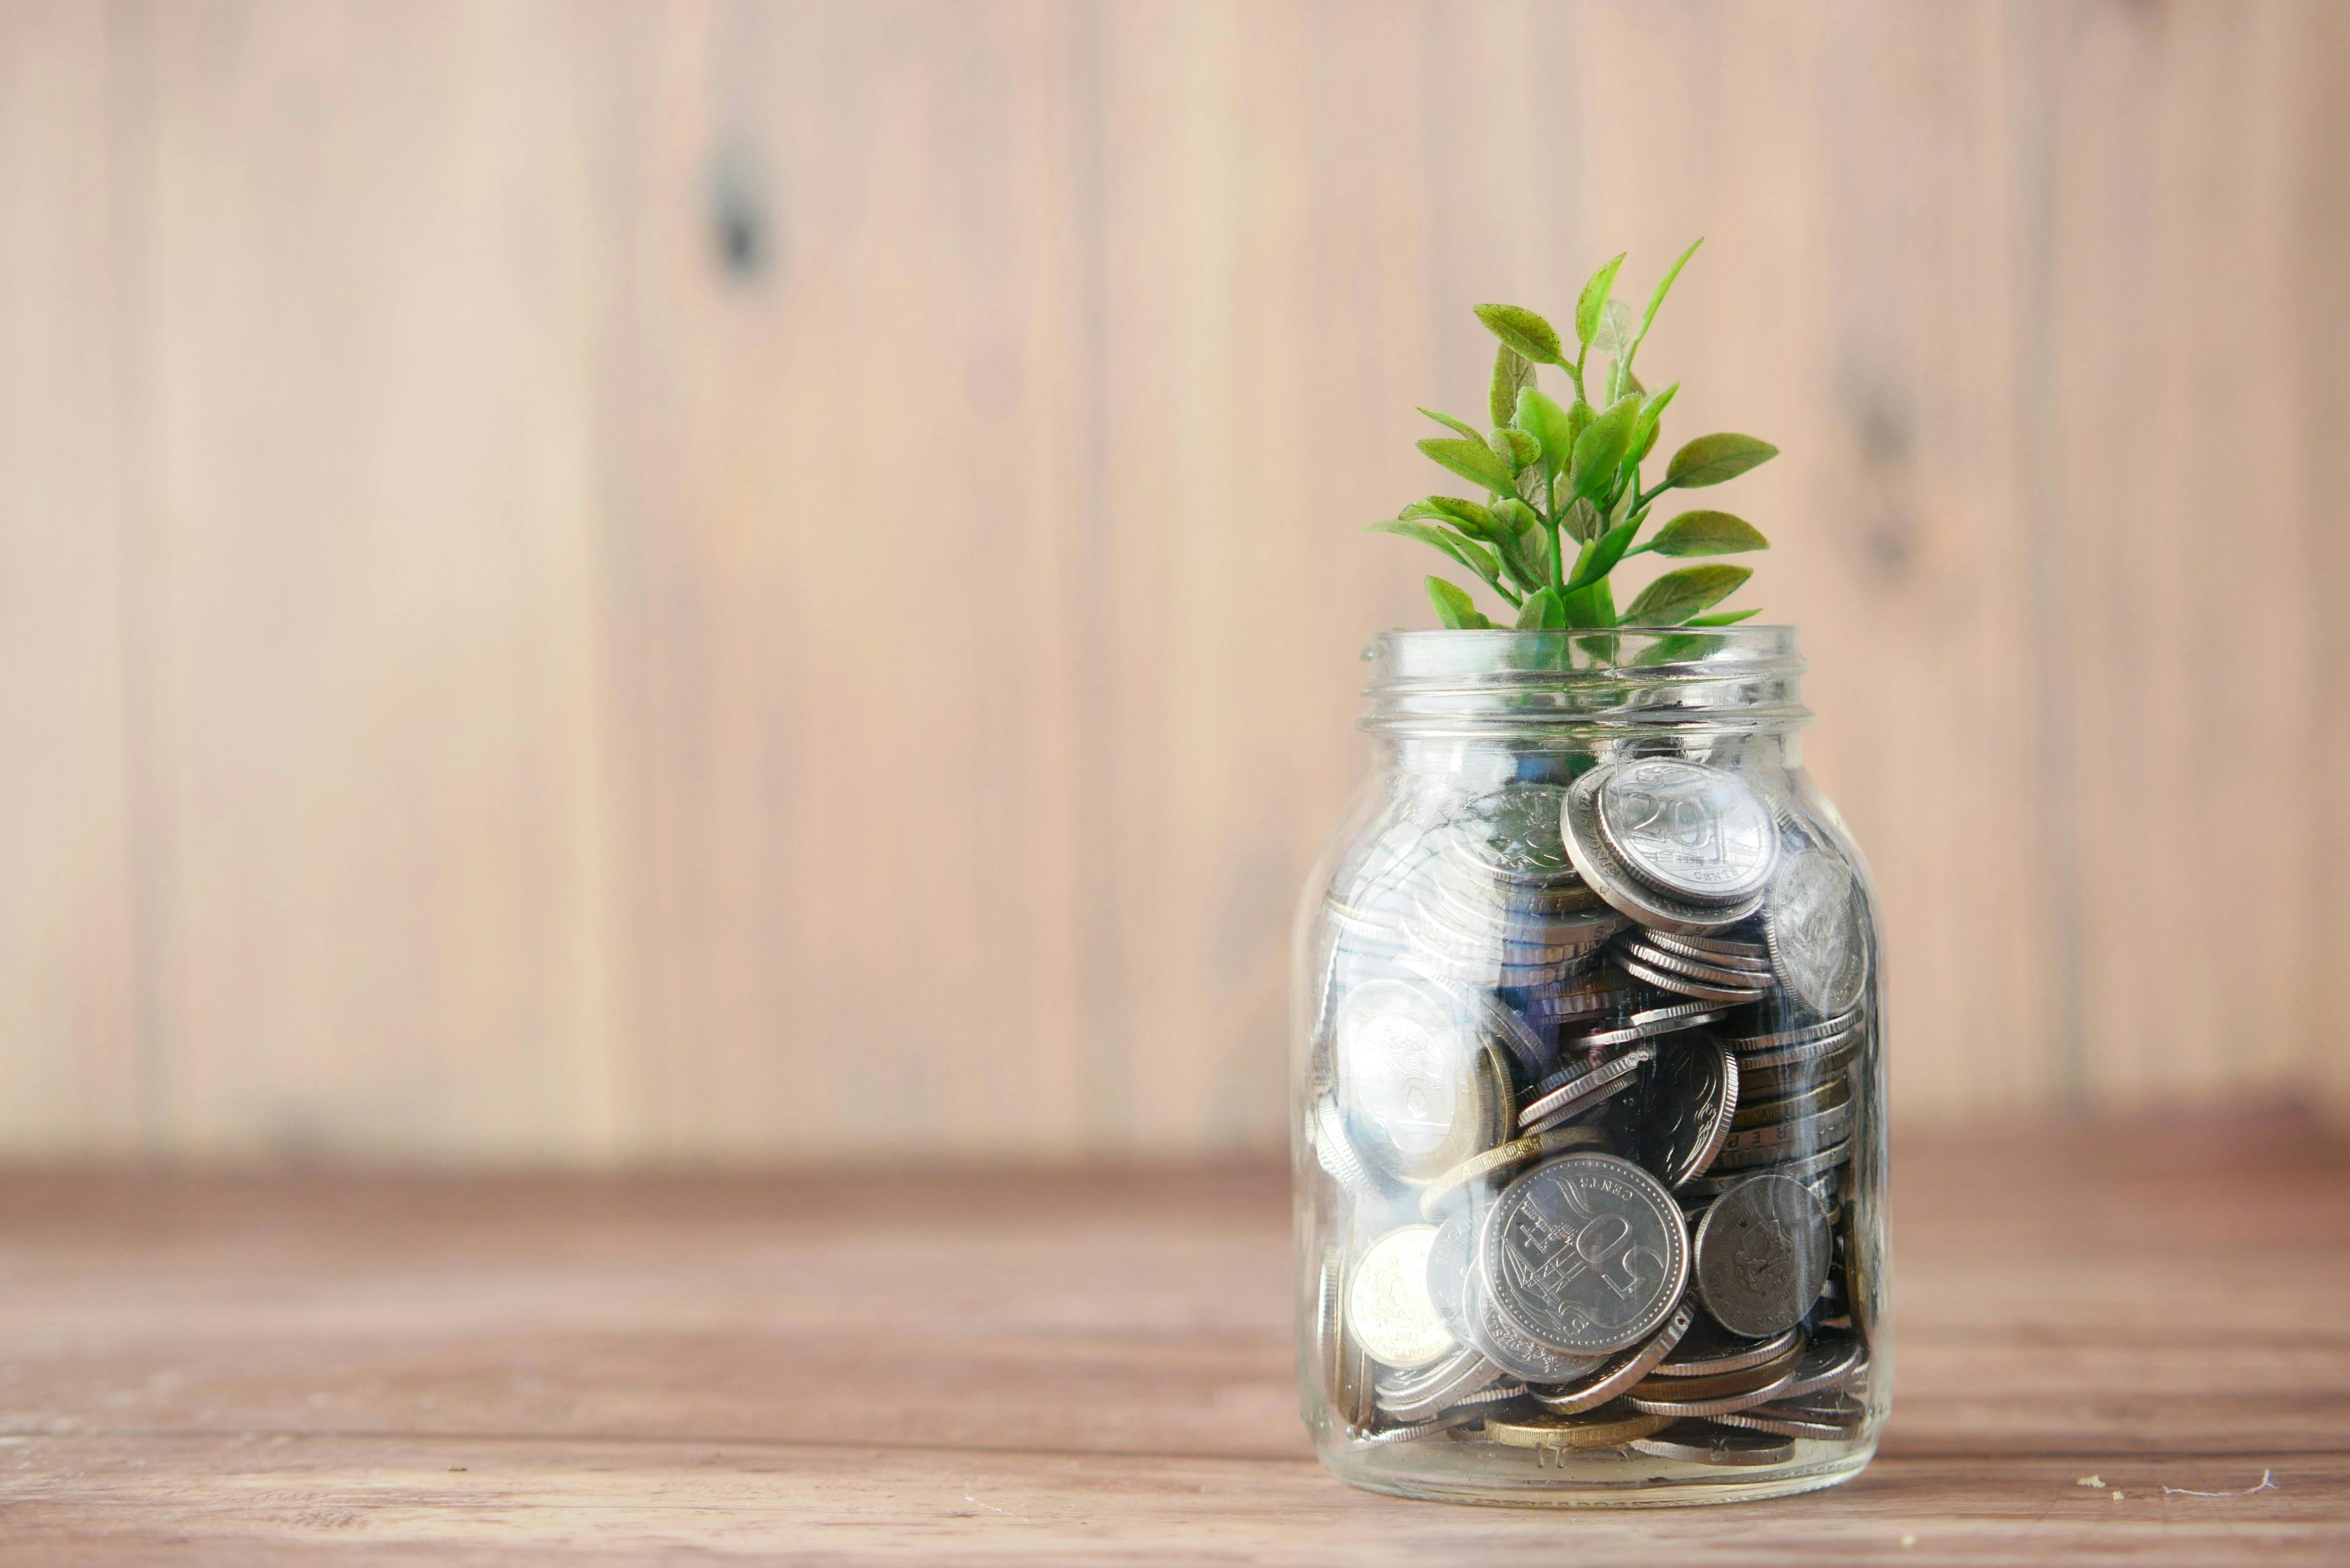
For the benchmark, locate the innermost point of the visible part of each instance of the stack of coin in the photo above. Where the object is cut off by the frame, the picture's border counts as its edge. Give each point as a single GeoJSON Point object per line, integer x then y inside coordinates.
{"type": "Point", "coordinates": [1586, 1070]}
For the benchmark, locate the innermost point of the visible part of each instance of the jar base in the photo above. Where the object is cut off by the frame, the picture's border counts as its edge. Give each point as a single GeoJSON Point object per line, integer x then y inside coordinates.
{"type": "Point", "coordinates": [1661, 1484]}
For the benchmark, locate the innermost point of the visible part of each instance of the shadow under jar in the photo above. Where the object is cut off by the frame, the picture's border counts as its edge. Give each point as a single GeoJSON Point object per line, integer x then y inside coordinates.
{"type": "Point", "coordinates": [1588, 1083]}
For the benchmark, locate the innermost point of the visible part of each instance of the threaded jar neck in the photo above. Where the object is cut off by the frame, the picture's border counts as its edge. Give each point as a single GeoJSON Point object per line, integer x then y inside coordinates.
{"type": "Point", "coordinates": [1566, 686]}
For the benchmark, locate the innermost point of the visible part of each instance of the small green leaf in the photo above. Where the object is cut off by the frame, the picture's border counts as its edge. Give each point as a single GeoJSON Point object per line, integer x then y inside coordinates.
{"type": "Point", "coordinates": [1523, 330]}
{"type": "Point", "coordinates": [1664, 287]}
{"type": "Point", "coordinates": [1525, 556]}
{"type": "Point", "coordinates": [1542, 612]}
{"type": "Point", "coordinates": [1513, 515]}
{"type": "Point", "coordinates": [1448, 422]}
{"type": "Point", "coordinates": [1652, 418]}
{"type": "Point", "coordinates": [1471, 460]}
{"type": "Point", "coordinates": [1453, 607]}
{"type": "Point", "coordinates": [1672, 598]}
{"type": "Point", "coordinates": [1468, 552]}
{"type": "Point", "coordinates": [1520, 449]}
{"type": "Point", "coordinates": [1708, 533]}
{"type": "Point", "coordinates": [1615, 329]}
{"type": "Point", "coordinates": [1599, 557]}
{"type": "Point", "coordinates": [1512, 373]}
{"type": "Point", "coordinates": [1583, 520]}
{"type": "Point", "coordinates": [1723, 617]}
{"type": "Point", "coordinates": [1540, 414]}
{"type": "Point", "coordinates": [1599, 450]}
{"type": "Point", "coordinates": [1711, 459]}
{"type": "Point", "coordinates": [1466, 516]}
{"type": "Point", "coordinates": [1592, 303]}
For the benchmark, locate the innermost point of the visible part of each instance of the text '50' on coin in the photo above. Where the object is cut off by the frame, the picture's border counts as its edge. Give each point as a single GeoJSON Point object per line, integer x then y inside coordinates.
{"type": "Point", "coordinates": [1585, 1253]}
{"type": "Point", "coordinates": [1387, 1305]}
{"type": "Point", "coordinates": [1818, 931]}
{"type": "Point", "coordinates": [1700, 832]}
{"type": "Point", "coordinates": [1761, 1255]}
{"type": "Point", "coordinates": [1414, 1078]}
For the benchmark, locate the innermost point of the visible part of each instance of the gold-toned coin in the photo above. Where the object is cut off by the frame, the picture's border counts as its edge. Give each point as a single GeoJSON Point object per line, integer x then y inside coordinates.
{"type": "Point", "coordinates": [1494, 1161]}
{"type": "Point", "coordinates": [1609, 1427]}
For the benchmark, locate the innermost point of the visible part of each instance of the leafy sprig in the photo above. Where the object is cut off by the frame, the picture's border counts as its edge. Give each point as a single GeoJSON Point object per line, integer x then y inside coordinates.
{"type": "Point", "coordinates": [1566, 477]}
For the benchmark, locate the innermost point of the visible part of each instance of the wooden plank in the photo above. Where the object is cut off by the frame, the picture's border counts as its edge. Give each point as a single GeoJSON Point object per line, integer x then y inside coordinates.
{"type": "Point", "coordinates": [70, 1074]}
{"type": "Point", "coordinates": [371, 301]}
{"type": "Point", "coordinates": [467, 1501]}
{"type": "Point", "coordinates": [1089, 1364]}
{"type": "Point", "coordinates": [856, 456]}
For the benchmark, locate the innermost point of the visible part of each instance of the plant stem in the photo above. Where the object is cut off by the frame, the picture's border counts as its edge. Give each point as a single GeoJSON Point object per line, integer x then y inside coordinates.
{"type": "Point", "coordinates": [1557, 566]}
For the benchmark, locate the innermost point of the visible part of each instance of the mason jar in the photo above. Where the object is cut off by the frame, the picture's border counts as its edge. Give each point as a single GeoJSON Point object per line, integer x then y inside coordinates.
{"type": "Point", "coordinates": [1588, 1083]}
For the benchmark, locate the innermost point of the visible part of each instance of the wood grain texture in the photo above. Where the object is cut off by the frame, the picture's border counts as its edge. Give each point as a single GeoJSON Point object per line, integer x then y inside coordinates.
{"type": "Point", "coordinates": [565, 559]}
{"type": "Point", "coordinates": [1090, 1366]}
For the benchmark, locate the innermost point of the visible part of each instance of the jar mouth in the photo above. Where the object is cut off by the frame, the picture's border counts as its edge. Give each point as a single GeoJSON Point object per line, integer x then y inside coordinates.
{"type": "Point", "coordinates": [1741, 679]}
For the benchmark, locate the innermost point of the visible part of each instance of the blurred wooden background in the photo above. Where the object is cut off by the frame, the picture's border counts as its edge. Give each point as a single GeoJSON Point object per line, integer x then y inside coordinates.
{"type": "Point", "coordinates": [594, 581]}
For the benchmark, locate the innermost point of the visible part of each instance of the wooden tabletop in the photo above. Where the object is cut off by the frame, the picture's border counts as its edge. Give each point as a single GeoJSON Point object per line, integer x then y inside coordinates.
{"type": "Point", "coordinates": [2095, 1327]}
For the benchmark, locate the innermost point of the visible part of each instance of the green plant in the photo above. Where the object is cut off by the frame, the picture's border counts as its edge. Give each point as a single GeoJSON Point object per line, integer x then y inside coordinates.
{"type": "Point", "coordinates": [1559, 473]}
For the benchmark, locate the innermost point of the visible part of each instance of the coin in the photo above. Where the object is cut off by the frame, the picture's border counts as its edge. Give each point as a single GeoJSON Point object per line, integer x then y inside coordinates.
{"type": "Point", "coordinates": [1511, 1348]}
{"type": "Point", "coordinates": [1512, 834]}
{"type": "Point", "coordinates": [1773, 1073]}
{"type": "Point", "coordinates": [1451, 1257]}
{"type": "Point", "coordinates": [1714, 1396]}
{"type": "Point", "coordinates": [1818, 931]}
{"type": "Point", "coordinates": [1441, 1388]}
{"type": "Point", "coordinates": [1502, 1157]}
{"type": "Point", "coordinates": [1649, 1023]}
{"type": "Point", "coordinates": [1664, 979]}
{"type": "Point", "coordinates": [1600, 991]}
{"type": "Point", "coordinates": [1624, 888]}
{"type": "Point", "coordinates": [1602, 1428]}
{"type": "Point", "coordinates": [1836, 1419]}
{"type": "Point", "coordinates": [1580, 1082]}
{"type": "Point", "coordinates": [1334, 1153]}
{"type": "Point", "coordinates": [1829, 1363]}
{"type": "Point", "coordinates": [1715, 1182]}
{"type": "Point", "coordinates": [1761, 1255]}
{"type": "Point", "coordinates": [1420, 1089]}
{"type": "Point", "coordinates": [1704, 972]}
{"type": "Point", "coordinates": [1343, 1361]}
{"type": "Point", "coordinates": [1724, 952]}
{"type": "Point", "coordinates": [1706, 1352]}
{"type": "Point", "coordinates": [1804, 1034]}
{"type": "Point", "coordinates": [1706, 1443]}
{"type": "Point", "coordinates": [1691, 1102]}
{"type": "Point", "coordinates": [1812, 1100]}
{"type": "Point", "coordinates": [1585, 1253]}
{"type": "Point", "coordinates": [1621, 1372]}
{"type": "Point", "coordinates": [1696, 832]}
{"type": "Point", "coordinates": [1388, 1306]}
{"type": "Point", "coordinates": [1772, 1143]}
{"type": "Point", "coordinates": [1576, 1110]}
{"type": "Point", "coordinates": [1414, 1432]}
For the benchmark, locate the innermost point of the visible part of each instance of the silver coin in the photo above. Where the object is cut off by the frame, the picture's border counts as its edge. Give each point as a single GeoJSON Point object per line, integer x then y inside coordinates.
{"type": "Point", "coordinates": [1706, 1352]}
{"type": "Point", "coordinates": [1417, 1088]}
{"type": "Point", "coordinates": [1746, 1044]}
{"type": "Point", "coordinates": [1749, 1148]}
{"type": "Point", "coordinates": [1696, 832]}
{"type": "Point", "coordinates": [1665, 980]}
{"type": "Point", "coordinates": [1451, 1257]}
{"type": "Point", "coordinates": [1576, 1109]}
{"type": "Point", "coordinates": [1335, 1154]}
{"type": "Point", "coordinates": [1761, 1255]}
{"type": "Point", "coordinates": [1580, 1082]}
{"type": "Point", "coordinates": [1512, 834]}
{"type": "Point", "coordinates": [1620, 1373]}
{"type": "Point", "coordinates": [1417, 1430]}
{"type": "Point", "coordinates": [1585, 1253]}
{"type": "Point", "coordinates": [1692, 1100]}
{"type": "Point", "coordinates": [1706, 1443]}
{"type": "Point", "coordinates": [1651, 1024]}
{"type": "Point", "coordinates": [1603, 991]}
{"type": "Point", "coordinates": [1439, 1390]}
{"type": "Point", "coordinates": [1830, 1362]}
{"type": "Point", "coordinates": [1650, 947]}
{"type": "Point", "coordinates": [1616, 882]}
{"type": "Point", "coordinates": [1388, 1307]}
{"type": "Point", "coordinates": [1511, 1348]}
{"type": "Point", "coordinates": [1836, 1419]}
{"type": "Point", "coordinates": [1825, 1056]}
{"type": "Point", "coordinates": [1817, 928]}
{"type": "Point", "coordinates": [1803, 1167]}
{"type": "Point", "coordinates": [1812, 1100]}
{"type": "Point", "coordinates": [1731, 952]}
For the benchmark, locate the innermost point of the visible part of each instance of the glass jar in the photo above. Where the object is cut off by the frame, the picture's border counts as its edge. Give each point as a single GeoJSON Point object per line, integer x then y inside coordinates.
{"type": "Point", "coordinates": [1588, 1083]}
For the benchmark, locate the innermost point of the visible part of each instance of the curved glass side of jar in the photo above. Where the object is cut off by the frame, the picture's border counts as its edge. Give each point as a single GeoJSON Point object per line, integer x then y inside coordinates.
{"type": "Point", "coordinates": [1587, 1084]}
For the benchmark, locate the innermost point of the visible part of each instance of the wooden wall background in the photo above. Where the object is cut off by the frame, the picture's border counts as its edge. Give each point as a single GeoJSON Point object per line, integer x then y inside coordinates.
{"type": "Point", "coordinates": [588, 581]}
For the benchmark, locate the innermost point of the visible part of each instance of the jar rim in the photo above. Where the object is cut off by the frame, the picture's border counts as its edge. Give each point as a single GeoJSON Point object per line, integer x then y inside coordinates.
{"type": "Point", "coordinates": [1464, 683]}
